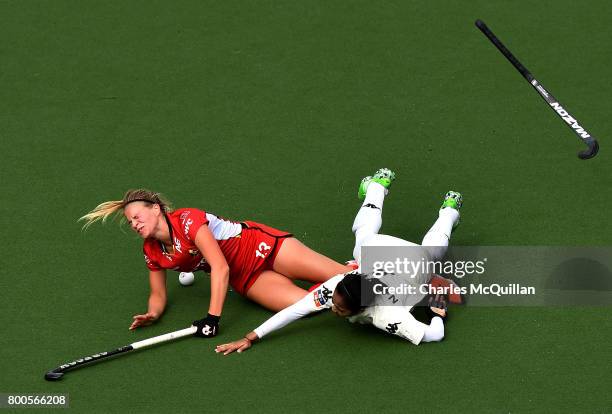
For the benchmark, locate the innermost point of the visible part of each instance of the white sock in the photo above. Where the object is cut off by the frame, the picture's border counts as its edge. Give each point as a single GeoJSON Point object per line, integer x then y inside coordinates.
{"type": "Point", "coordinates": [434, 332]}
{"type": "Point", "coordinates": [375, 194]}
{"type": "Point", "coordinates": [369, 217]}
{"type": "Point", "coordinates": [439, 234]}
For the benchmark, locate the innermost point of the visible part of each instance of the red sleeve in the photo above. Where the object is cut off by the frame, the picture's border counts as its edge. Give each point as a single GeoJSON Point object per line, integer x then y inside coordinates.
{"type": "Point", "coordinates": [151, 264]}
{"type": "Point", "coordinates": [191, 219]}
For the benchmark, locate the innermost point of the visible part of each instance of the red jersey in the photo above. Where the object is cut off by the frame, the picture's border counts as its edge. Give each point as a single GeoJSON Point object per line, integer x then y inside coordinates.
{"type": "Point", "coordinates": [184, 224]}
{"type": "Point", "coordinates": [249, 248]}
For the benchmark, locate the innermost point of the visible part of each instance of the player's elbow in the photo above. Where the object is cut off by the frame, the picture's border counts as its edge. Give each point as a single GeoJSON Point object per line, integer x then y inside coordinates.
{"type": "Point", "coordinates": [435, 331]}
{"type": "Point", "coordinates": [221, 269]}
{"type": "Point", "coordinates": [435, 336]}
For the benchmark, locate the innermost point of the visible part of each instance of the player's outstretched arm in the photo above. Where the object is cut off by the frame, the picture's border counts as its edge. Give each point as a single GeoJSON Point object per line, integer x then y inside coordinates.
{"type": "Point", "coordinates": [314, 301]}
{"type": "Point", "coordinates": [286, 316]}
{"type": "Point", "coordinates": [397, 320]}
{"type": "Point", "coordinates": [219, 282]}
{"type": "Point", "coordinates": [157, 300]}
{"type": "Point", "coordinates": [240, 345]}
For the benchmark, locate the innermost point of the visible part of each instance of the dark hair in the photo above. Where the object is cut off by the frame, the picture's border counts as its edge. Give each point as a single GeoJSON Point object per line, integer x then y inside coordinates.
{"type": "Point", "coordinates": [356, 291]}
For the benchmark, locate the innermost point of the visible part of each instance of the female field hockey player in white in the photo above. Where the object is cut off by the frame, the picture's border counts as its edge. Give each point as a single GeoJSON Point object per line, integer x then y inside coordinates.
{"type": "Point", "coordinates": [258, 261]}
{"type": "Point", "coordinates": [345, 294]}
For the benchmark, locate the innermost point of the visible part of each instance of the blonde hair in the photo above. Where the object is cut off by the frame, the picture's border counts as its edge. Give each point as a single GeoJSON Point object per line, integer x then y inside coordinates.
{"type": "Point", "coordinates": [110, 208]}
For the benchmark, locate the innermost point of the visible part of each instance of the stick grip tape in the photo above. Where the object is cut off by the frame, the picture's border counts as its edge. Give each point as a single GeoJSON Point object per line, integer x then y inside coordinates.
{"type": "Point", "coordinates": [503, 49]}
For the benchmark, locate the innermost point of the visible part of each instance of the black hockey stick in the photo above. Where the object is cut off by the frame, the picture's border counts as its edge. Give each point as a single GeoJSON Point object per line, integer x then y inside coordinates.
{"type": "Point", "coordinates": [58, 373]}
{"type": "Point", "coordinates": [588, 139]}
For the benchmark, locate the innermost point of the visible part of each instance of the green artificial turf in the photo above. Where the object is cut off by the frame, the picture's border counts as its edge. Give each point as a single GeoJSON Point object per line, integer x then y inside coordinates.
{"type": "Point", "coordinates": [273, 111]}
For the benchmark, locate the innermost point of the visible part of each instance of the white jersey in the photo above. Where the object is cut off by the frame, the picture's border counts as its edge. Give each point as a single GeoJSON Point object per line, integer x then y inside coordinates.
{"type": "Point", "coordinates": [222, 229]}
{"type": "Point", "coordinates": [380, 240]}
{"type": "Point", "coordinates": [317, 300]}
{"type": "Point", "coordinates": [396, 320]}
{"type": "Point", "coordinates": [415, 280]}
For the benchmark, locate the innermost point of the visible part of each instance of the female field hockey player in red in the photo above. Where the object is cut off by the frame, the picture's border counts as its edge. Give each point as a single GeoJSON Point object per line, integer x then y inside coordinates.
{"type": "Point", "coordinates": [258, 261]}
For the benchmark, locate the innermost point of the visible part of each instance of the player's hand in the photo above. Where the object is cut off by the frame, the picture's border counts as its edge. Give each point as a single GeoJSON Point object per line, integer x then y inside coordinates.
{"type": "Point", "coordinates": [438, 306]}
{"type": "Point", "coordinates": [438, 312]}
{"type": "Point", "coordinates": [143, 320]}
{"type": "Point", "coordinates": [240, 345]}
{"type": "Point", "coordinates": [207, 327]}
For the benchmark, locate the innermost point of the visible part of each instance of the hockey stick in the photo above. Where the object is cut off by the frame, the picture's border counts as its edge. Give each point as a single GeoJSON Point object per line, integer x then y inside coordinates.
{"type": "Point", "coordinates": [588, 139]}
{"type": "Point", "coordinates": [58, 373]}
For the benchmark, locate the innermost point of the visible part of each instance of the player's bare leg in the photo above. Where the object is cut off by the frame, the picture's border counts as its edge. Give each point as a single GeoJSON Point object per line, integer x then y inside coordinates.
{"type": "Point", "coordinates": [297, 261]}
{"type": "Point", "coordinates": [274, 291]}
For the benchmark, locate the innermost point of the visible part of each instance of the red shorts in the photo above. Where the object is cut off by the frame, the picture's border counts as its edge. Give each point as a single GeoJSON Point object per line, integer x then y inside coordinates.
{"type": "Point", "coordinates": [258, 247]}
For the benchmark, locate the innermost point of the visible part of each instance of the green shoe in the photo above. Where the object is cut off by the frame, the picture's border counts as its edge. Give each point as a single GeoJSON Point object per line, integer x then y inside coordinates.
{"type": "Point", "coordinates": [452, 199]}
{"type": "Point", "coordinates": [383, 176]}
